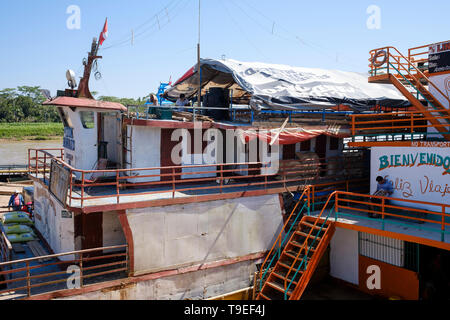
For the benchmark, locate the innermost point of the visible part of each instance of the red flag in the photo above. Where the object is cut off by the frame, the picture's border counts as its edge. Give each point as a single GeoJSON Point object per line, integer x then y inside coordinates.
{"type": "Point", "coordinates": [104, 33]}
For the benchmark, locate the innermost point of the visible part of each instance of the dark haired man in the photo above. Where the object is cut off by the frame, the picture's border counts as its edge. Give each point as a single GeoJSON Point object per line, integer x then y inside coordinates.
{"type": "Point", "coordinates": [385, 185]}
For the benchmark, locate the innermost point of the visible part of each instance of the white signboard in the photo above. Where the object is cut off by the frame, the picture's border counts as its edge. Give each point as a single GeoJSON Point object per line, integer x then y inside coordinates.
{"type": "Point", "coordinates": [421, 174]}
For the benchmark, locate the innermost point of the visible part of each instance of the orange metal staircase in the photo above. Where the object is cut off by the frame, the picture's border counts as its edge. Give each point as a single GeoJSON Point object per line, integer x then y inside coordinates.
{"type": "Point", "coordinates": [412, 82]}
{"type": "Point", "coordinates": [298, 260]}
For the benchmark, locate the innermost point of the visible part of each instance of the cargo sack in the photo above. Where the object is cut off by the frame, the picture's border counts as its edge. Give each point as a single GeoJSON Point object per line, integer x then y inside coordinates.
{"type": "Point", "coordinates": [23, 237]}
{"type": "Point", "coordinates": [17, 218]}
{"type": "Point", "coordinates": [17, 229]}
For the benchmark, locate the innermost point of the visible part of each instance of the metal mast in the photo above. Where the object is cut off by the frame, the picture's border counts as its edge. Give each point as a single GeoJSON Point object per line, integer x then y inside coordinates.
{"type": "Point", "coordinates": [198, 61]}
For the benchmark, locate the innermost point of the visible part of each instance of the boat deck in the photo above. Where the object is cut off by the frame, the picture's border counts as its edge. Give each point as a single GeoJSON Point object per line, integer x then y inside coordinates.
{"type": "Point", "coordinates": [46, 275]}
{"type": "Point", "coordinates": [201, 191]}
{"type": "Point", "coordinates": [403, 226]}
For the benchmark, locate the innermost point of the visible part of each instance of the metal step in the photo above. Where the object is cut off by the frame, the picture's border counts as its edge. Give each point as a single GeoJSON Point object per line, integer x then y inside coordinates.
{"type": "Point", "coordinates": [278, 287]}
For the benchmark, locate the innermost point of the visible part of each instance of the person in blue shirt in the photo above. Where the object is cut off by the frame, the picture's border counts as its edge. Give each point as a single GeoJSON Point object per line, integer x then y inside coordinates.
{"type": "Point", "coordinates": [385, 185]}
{"type": "Point", "coordinates": [385, 189]}
{"type": "Point", "coordinates": [16, 201]}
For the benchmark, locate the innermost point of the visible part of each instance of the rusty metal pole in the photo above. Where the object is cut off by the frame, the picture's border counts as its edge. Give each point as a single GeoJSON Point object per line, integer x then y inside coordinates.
{"type": "Point", "coordinates": [81, 269]}
{"type": "Point", "coordinates": [199, 69]}
{"type": "Point", "coordinates": [28, 279]}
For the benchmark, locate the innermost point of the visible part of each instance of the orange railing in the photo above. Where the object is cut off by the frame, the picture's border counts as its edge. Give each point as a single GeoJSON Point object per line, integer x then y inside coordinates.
{"type": "Point", "coordinates": [311, 197]}
{"type": "Point", "coordinates": [305, 250]}
{"type": "Point", "coordinates": [27, 277]}
{"type": "Point", "coordinates": [365, 203]}
{"type": "Point", "coordinates": [40, 164]}
{"type": "Point", "coordinates": [396, 63]}
{"type": "Point", "coordinates": [171, 179]}
{"type": "Point", "coordinates": [406, 122]}
{"type": "Point", "coordinates": [408, 210]}
{"type": "Point", "coordinates": [419, 55]}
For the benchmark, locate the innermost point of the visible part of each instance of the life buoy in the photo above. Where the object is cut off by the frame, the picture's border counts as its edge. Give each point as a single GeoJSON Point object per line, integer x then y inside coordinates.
{"type": "Point", "coordinates": [380, 53]}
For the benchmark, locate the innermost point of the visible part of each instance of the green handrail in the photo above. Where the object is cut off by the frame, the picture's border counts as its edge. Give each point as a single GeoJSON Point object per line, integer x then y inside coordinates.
{"type": "Point", "coordinates": [418, 91]}
{"type": "Point", "coordinates": [309, 249]}
{"type": "Point", "coordinates": [281, 244]}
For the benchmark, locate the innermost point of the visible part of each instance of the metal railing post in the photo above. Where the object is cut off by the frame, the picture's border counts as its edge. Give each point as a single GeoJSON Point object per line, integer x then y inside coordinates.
{"type": "Point", "coordinates": [336, 206]}
{"type": "Point", "coordinates": [118, 187]}
{"type": "Point", "coordinates": [388, 56]}
{"type": "Point", "coordinates": [70, 187]}
{"type": "Point", "coordinates": [127, 258]}
{"type": "Point", "coordinates": [29, 165]}
{"type": "Point", "coordinates": [81, 269]}
{"type": "Point", "coordinates": [443, 224]}
{"type": "Point", "coordinates": [309, 200]}
{"type": "Point", "coordinates": [221, 177]}
{"type": "Point", "coordinates": [82, 188]}
{"type": "Point", "coordinates": [36, 158]}
{"type": "Point", "coordinates": [45, 165]}
{"type": "Point", "coordinates": [28, 279]}
{"type": "Point", "coordinates": [173, 183]}
{"type": "Point", "coordinates": [383, 201]}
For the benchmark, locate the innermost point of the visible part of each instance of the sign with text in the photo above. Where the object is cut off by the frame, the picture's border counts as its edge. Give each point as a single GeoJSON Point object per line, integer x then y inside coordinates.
{"type": "Point", "coordinates": [68, 140]}
{"type": "Point", "coordinates": [59, 181]}
{"type": "Point", "coordinates": [439, 57]}
{"type": "Point", "coordinates": [421, 174]}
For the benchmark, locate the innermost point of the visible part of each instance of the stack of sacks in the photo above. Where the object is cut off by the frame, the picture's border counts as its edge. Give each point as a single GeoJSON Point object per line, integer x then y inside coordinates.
{"type": "Point", "coordinates": [17, 227]}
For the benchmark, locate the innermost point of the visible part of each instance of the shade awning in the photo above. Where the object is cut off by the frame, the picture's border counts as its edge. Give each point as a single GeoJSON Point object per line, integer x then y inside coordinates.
{"type": "Point", "coordinates": [279, 87]}
{"type": "Point", "coordinates": [293, 135]}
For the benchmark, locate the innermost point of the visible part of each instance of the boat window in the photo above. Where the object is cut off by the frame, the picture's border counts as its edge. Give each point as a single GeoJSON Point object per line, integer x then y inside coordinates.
{"type": "Point", "coordinates": [87, 119]}
{"type": "Point", "coordinates": [305, 145]}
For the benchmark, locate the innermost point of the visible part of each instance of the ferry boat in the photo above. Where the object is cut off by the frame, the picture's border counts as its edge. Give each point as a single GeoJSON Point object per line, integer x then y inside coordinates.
{"type": "Point", "coordinates": [259, 190]}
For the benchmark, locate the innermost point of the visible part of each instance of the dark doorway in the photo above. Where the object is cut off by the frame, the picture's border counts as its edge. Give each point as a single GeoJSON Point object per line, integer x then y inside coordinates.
{"type": "Point", "coordinates": [434, 274]}
{"type": "Point", "coordinates": [89, 229]}
{"type": "Point", "coordinates": [289, 151]}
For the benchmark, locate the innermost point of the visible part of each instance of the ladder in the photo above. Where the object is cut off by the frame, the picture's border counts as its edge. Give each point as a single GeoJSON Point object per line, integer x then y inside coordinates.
{"type": "Point", "coordinates": [298, 260]}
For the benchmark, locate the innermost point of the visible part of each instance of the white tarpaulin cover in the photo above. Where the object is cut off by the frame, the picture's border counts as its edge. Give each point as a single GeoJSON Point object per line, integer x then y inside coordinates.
{"type": "Point", "coordinates": [285, 87]}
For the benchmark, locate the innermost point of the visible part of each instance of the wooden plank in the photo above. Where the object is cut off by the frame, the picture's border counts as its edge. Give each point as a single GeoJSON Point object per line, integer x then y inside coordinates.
{"type": "Point", "coordinates": [38, 250]}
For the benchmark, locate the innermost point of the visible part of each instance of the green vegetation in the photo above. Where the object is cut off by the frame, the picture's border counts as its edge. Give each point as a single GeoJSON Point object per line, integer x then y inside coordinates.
{"type": "Point", "coordinates": [22, 115]}
{"type": "Point", "coordinates": [33, 131]}
{"type": "Point", "coordinates": [125, 101]}
{"type": "Point", "coordinates": [24, 104]}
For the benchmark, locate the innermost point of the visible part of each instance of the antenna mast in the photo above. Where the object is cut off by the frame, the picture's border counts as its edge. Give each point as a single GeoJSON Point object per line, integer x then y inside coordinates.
{"type": "Point", "coordinates": [198, 61]}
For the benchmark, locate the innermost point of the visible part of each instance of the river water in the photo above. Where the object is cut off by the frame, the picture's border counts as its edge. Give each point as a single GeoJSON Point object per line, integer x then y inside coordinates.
{"type": "Point", "coordinates": [16, 152]}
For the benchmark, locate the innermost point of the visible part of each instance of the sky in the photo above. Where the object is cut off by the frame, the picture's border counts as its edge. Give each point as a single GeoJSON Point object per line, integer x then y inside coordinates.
{"type": "Point", "coordinates": [41, 39]}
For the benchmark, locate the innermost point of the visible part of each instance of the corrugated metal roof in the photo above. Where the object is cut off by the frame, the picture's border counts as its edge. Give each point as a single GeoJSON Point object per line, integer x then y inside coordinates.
{"type": "Point", "coordinates": [85, 103]}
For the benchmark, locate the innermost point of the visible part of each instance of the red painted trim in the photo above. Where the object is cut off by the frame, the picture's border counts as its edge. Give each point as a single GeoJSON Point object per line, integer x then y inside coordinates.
{"type": "Point", "coordinates": [122, 214]}
{"type": "Point", "coordinates": [182, 200]}
{"type": "Point", "coordinates": [175, 124]}
{"type": "Point", "coordinates": [166, 124]}
{"type": "Point", "coordinates": [381, 144]}
{"type": "Point", "coordinates": [146, 277]}
{"type": "Point", "coordinates": [430, 75]}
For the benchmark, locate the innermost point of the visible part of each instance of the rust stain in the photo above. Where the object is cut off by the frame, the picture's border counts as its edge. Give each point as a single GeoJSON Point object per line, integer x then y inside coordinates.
{"type": "Point", "coordinates": [120, 287]}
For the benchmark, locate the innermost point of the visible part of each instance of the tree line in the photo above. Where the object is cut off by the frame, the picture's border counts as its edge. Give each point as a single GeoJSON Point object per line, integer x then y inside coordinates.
{"type": "Point", "coordinates": [24, 104]}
